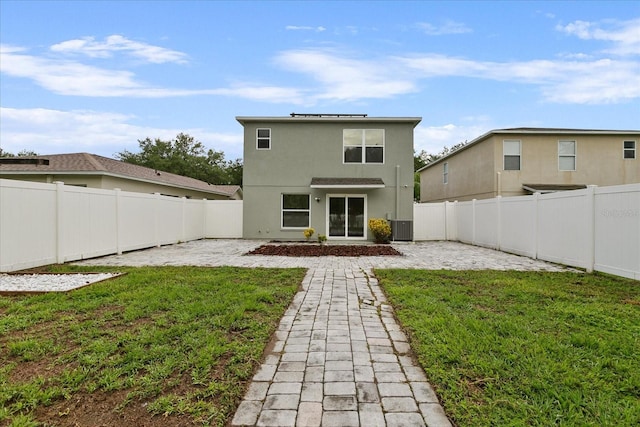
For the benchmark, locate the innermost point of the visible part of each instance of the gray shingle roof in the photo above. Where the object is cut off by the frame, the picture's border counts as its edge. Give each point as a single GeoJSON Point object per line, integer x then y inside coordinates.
{"type": "Point", "coordinates": [94, 164]}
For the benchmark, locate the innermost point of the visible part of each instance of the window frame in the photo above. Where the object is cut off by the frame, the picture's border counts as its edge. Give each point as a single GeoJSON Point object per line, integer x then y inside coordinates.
{"type": "Point", "coordinates": [262, 138]}
{"type": "Point", "coordinates": [445, 173]}
{"type": "Point", "coordinates": [574, 155]}
{"type": "Point", "coordinates": [283, 210]}
{"type": "Point", "coordinates": [504, 155]}
{"type": "Point", "coordinates": [363, 146]}
{"type": "Point", "coordinates": [631, 150]}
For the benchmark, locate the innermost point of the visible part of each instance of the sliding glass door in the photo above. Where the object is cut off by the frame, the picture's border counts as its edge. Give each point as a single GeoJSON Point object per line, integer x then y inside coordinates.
{"type": "Point", "coordinates": [347, 216]}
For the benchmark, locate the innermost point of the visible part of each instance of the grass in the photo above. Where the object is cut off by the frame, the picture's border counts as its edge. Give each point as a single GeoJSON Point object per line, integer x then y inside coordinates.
{"type": "Point", "coordinates": [523, 348]}
{"type": "Point", "coordinates": [176, 342]}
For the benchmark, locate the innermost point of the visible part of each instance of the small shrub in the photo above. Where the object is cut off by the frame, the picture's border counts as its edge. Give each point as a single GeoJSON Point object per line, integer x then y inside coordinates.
{"type": "Point", "coordinates": [381, 230]}
{"type": "Point", "coordinates": [322, 238]}
{"type": "Point", "coordinates": [308, 233]}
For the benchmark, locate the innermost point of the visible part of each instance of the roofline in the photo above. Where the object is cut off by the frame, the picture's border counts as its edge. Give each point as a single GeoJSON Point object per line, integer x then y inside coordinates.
{"type": "Point", "coordinates": [346, 186]}
{"type": "Point", "coordinates": [531, 131]}
{"type": "Point", "coordinates": [115, 175]}
{"type": "Point", "coordinates": [314, 119]}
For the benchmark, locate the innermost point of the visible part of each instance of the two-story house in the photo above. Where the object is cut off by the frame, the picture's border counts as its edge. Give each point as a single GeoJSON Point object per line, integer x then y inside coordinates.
{"type": "Point", "coordinates": [514, 162]}
{"type": "Point", "coordinates": [331, 172]}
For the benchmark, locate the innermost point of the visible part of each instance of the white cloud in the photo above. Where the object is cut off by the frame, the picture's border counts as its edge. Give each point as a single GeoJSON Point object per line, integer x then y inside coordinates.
{"type": "Point", "coordinates": [624, 35]}
{"type": "Point", "coordinates": [47, 131]}
{"type": "Point", "coordinates": [337, 76]}
{"type": "Point", "coordinates": [67, 77]}
{"type": "Point", "coordinates": [347, 79]}
{"type": "Point", "coordinates": [105, 49]}
{"type": "Point", "coordinates": [318, 29]}
{"type": "Point", "coordinates": [340, 78]}
{"type": "Point", "coordinates": [576, 82]}
{"type": "Point", "coordinates": [448, 27]}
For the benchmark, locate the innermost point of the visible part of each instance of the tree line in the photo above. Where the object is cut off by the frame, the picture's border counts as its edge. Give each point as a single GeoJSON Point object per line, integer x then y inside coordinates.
{"type": "Point", "coordinates": [185, 156]}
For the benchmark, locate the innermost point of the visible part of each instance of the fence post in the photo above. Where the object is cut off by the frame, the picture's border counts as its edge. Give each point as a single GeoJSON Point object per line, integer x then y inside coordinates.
{"type": "Point", "coordinates": [499, 225]}
{"type": "Point", "coordinates": [473, 222]}
{"type": "Point", "coordinates": [183, 237]}
{"type": "Point", "coordinates": [59, 231]}
{"type": "Point", "coordinates": [455, 221]}
{"type": "Point", "coordinates": [118, 221]}
{"type": "Point", "coordinates": [446, 232]}
{"type": "Point", "coordinates": [204, 218]}
{"type": "Point", "coordinates": [591, 226]}
{"type": "Point", "coordinates": [536, 220]}
{"type": "Point", "coordinates": [157, 218]}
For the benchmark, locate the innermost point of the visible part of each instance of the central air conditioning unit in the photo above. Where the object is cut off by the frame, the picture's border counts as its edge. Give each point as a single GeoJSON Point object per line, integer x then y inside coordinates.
{"type": "Point", "coordinates": [401, 230]}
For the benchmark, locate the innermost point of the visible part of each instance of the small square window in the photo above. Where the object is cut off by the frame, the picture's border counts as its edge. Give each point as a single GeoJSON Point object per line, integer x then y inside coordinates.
{"type": "Point", "coordinates": [629, 149]}
{"type": "Point", "coordinates": [296, 211]}
{"type": "Point", "coordinates": [263, 139]}
{"type": "Point", "coordinates": [363, 145]}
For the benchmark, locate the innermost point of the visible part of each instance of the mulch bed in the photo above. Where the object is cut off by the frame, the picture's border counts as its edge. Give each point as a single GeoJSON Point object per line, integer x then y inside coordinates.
{"type": "Point", "coordinates": [310, 250]}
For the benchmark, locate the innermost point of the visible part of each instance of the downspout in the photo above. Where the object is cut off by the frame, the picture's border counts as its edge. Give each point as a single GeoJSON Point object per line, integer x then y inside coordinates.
{"type": "Point", "coordinates": [397, 192]}
{"type": "Point", "coordinates": [499, 179]}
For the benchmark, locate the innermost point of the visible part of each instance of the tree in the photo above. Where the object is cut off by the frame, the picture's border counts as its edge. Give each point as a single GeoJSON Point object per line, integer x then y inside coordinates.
{"type": "Point", "coordinates": [21, 153]}
{"type": "Point", "coordinates": [185, 156]}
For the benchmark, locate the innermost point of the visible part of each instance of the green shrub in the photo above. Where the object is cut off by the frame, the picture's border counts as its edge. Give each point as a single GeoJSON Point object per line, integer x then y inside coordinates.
{"type": "Point", "coordinates": [381, 230]}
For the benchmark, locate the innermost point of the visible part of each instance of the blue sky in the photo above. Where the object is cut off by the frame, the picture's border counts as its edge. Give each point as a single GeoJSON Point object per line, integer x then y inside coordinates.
{"type": "Point", "coordinates": [98, 76]}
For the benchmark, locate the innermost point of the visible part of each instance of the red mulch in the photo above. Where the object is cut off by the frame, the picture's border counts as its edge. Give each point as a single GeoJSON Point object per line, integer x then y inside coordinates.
{"type": "Point", "coordinates": [312, 250]}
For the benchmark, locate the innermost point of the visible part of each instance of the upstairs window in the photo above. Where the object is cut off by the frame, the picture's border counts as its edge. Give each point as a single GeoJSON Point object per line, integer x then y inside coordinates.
{"type": "Point", "coordinates": [511, 152]}
{"type": "Point", "coordinates": [263, 139]}
{"type": "Point", "coordinates": [445, 173]}
{"type": "Point", "coordinates": [295, 211]}
{"type": "Point", "coordinates": [567, 155]}
{"type": "Point", "coordinates": [629, 150]}
{"type": "Point", "coordinates": [363, 145]}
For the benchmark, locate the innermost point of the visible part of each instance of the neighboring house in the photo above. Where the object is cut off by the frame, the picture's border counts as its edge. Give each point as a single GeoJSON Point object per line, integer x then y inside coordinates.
{"type": "Point", "coordinates": [90, 170]}
{"type": "Point", "coordinates": [519, 161]}
{"type": "Point", "coordinates": [328, 172]}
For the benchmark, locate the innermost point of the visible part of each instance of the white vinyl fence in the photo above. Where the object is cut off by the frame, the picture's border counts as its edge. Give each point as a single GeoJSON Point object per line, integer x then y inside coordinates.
{"type": "Point", "coordinates": [43, 224]}
{"type": "Point", "coordinates": [597, 228]}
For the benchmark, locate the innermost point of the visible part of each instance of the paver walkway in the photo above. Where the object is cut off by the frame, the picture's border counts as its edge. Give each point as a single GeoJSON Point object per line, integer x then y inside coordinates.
{"type": "Point", "coordinates": [338, 357]}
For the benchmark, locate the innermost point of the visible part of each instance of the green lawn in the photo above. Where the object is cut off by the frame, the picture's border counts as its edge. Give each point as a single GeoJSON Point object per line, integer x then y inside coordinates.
{"type": "Point", "coordinates": [178, 343]}
{"type": "Point", "coordinates": [522, 348]}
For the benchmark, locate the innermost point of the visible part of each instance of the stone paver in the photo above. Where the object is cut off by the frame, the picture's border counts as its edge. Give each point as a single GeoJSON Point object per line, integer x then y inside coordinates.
{"type": "Point", "coordinates": [338, 357]}
{"type": "Point", "coordinates": [352, 382]}
{"type": "Point", "coordinates": [422, 255]}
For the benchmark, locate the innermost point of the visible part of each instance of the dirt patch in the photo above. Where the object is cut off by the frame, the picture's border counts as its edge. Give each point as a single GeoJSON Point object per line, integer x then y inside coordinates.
{"type": "Point", "coordinates": [325, 250]}
{"type": "Point", "coordinates": [99, 410]}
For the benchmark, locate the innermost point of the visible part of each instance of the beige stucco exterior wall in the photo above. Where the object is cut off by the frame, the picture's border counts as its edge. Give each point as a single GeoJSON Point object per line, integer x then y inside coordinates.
{"type": "Point", "coordinates": [471, 176]}
{"type": "Point", "coordinates": [599, 161]}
